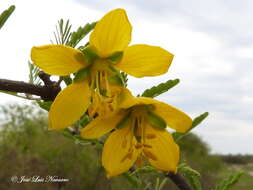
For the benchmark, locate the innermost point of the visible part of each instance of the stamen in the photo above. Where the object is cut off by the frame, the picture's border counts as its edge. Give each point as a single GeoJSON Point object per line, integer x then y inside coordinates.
{"type": "Point", "coordinates": [139, 162]}
{"type": "Point", "coordinates": [150, 136]}
{"type": "Point", "coordinates": [138, 146]}
{"type": "Point", "coordinates": [97, 82]}
{"type": "Point", "coordinates": [107, 87]}
{"type": "Point", "coordinates": [149, 155]}
{"type": "Point", "coordinates": [124, 158]}
{"type": "Point", "coordinates": [129, 155]}
{"type": "Point", "coordinates": [147, 146]}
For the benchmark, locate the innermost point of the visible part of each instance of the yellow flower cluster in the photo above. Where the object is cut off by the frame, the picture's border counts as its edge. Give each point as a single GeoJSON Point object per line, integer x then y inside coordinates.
{"type": "Point", "coordinates": [140, 123]}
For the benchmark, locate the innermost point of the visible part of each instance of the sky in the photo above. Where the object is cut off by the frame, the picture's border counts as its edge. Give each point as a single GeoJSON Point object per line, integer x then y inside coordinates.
{"type": "Point", "coordinates": [212, 42]}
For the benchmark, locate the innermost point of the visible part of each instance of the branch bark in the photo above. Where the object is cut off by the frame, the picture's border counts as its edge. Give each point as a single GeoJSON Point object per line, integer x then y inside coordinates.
{"type": "Point", "coordinates": [179, 181]}
{"type": "Point", "coordinates": [48, 92]}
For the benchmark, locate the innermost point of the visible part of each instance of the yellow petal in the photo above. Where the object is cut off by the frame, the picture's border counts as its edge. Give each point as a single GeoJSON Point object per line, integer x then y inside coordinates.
{"type": "Point", "coordinates": [117, 156]}
{"type": "Point", "coordinates": [161, 150]}
{"type": "Point", "coordinates": [174, 118]}
{"type": "Point", "coordinates": [112, 33]}
{"type": "Point", "coordinates": [144, 60]}
{"type": "Point", "coordinates": [58, 59]}
{"type": "Point", "coordinates": [69, 105]}
{"type": "Point", "coordinates": [126, 99]}
{"type": "Point", "coordinates": [101, 125]}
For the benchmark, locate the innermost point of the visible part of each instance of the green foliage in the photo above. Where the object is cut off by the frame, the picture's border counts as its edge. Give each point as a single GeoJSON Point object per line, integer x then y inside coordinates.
{"type": "Point", "coordinates": [45, 105]}
{"type": "Point", "coordinates": [229, 182]}
{"type": "Point", "coordinates": [196, 154]}
{"type": "Point", "coordinates": [145, 169]}
{"type": "Point", "coordinates": [28, 148]}
{"type": "Point", "coordinates": [34, 74]}
{"type": "Point", "coordinates": [81, 32]}
{"type": "Point", "coordinates": [62, 33]}
{"type": "Point", "coordinates": [196, 121]}
{"type": "Point", "coordinates": [133, 180]}
{"type": "Point", "coordinates": [237, 159]}
{"type": "Point", "coordinates": [191, 175]}
{"type": "Point", "coordinates": [160, 89]}
{"type": "Point", "coordinates": [64, 36]}
{"type": "Point", "coordinates": [5, 15]}
{"type": "Point", "coordinates": [159, 185]}
{"type": "Point", "coordinates": [124, 77]}
{"type": "Point", "coordinates": [199, 119]}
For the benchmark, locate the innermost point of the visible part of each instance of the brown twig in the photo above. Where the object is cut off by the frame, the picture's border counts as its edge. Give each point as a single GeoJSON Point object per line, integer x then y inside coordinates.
{"type": "Point", "coordinates": [48, 92]}
{"type": "Point", "coordinates": [179, 181]}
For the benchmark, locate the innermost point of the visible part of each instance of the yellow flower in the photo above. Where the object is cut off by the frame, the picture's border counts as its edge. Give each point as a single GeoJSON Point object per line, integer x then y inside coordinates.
{"type": "Point", "coordinates": [140, 131]}
{"type": "Point", "coordinates": [111, 37]}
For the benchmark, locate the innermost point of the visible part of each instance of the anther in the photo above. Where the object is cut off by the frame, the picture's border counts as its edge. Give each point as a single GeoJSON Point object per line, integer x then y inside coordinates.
{"type": "Point", "coordinates": [150, 155]}
{"type": "Point", "coordinates": [138, 145]}
{"type": "Point", "coordinates": [147, 146]}
{"type": "Point", "coordinates": [150, 136]}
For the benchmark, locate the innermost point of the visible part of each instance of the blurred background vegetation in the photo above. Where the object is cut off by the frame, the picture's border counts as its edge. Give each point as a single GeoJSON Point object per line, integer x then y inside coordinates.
{"type": "Point", "coordinates": [27, 148]}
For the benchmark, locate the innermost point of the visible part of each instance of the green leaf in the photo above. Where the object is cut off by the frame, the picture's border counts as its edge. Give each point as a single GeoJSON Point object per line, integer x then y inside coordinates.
{"type": "Point", "coordinates": [5, 15]}
{"type": "Point", "coordinates": [34, 74]}
{"type": "Point", "coordinates": [81, 32]}
{"type": "Point", "coordinates": [62, 33]}
{"type": "Point", "coordinates": [133, 180]}
{"type": "Point", "coordinates": [67, 134]}
{"type": "Point", "coordinates": [192, 176]}
{"type": "Point", "coordinates": [82, 74]}
{"type": "Point", "coordinates": [199, 119]}
{"type": "Point", "coordinates": [196, 121]}
{"type": "Point", "coordinates": [184, 168]}
{"type": "Point", "coordinates": [161, 88]}
{"type": "Point", "coordinates": [124, 78]}
{"type": "Point", "coordinates": [229, 182]}
{"type": "Point", "coordinates": [80, 139]}
{"type": "Point", "coordinates": [8, 92]}
{"type": "Point", "coordinates": [77, 138]}
{"type": "Point", "coordinates": [156, 120]}
{"type": "Point", "coordinates": [115, 58]}
{"type": "Point", "coordinates": [45, 105]}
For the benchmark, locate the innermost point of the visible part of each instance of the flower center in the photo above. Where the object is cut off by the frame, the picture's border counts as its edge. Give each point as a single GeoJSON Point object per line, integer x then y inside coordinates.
{"type": "Point", "coordinates": [138, 125]}
{"type": "Point", "coordinates": [104, 94]}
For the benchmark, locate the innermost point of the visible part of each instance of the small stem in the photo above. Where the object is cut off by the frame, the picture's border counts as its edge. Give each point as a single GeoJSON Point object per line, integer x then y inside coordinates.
{"type": "Point", "coordinates": [47, 92]}
{"type": "Point", "coordinates": [179, 181]}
